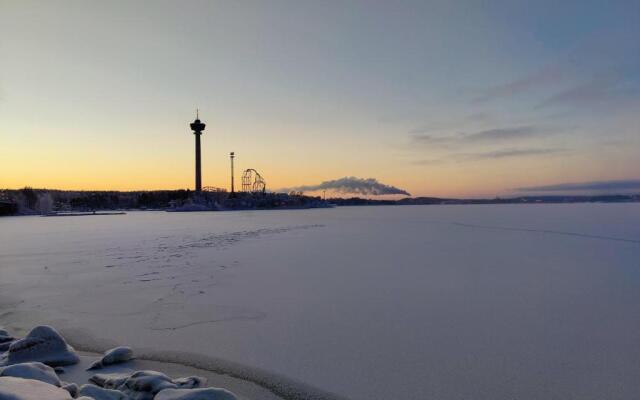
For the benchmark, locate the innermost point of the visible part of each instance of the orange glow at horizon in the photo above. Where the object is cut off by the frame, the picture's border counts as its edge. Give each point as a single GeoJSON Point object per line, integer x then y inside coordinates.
{"type": "Point", "coordinates": [128, 162]}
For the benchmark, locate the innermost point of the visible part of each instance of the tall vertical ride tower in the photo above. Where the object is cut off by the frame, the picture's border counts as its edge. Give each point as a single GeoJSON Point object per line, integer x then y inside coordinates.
{"type": "Point", "coordinates": [197, 127]}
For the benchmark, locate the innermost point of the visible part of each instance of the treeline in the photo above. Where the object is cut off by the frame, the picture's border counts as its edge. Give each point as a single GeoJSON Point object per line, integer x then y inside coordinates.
{"type": "Point", "coordinates": [45, 201]}
{"type": "Point", "coordinates": [614, 198]}
{"type": "Point", "coordinates": [42, 201]}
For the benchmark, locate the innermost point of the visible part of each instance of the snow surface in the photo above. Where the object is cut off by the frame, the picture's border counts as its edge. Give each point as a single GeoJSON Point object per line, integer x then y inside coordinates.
{"type": "Point", "coordinates": [412, 302]}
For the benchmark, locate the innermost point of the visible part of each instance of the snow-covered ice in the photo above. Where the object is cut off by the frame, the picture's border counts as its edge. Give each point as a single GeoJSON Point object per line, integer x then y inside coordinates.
{"type": "Point", "coordinates": [414, 302]}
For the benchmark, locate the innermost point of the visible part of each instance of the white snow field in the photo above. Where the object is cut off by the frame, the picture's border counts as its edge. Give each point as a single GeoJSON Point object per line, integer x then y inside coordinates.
{"type": "Point", "coordinates": [415, 302]}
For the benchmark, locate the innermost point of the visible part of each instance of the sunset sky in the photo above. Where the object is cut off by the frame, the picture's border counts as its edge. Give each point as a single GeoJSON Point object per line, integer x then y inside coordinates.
{"type": "Point", "coordinates": [439, 98]}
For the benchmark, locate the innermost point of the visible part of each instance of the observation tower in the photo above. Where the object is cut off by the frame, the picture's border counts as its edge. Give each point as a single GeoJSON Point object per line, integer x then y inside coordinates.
{"type": "Point", "coordinates": [197, 127]}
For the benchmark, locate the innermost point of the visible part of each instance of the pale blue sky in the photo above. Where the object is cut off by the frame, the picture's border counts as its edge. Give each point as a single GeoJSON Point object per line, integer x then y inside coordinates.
{"type": "Point", "coordinates": [435, 97]}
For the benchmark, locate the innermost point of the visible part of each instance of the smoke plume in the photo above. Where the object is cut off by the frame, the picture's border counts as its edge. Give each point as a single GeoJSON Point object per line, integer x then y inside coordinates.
{"type": "Point", "coordinates": [352, 185]}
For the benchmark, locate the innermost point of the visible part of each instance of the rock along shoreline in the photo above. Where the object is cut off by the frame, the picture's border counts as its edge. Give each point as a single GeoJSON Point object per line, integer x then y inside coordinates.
{"type": "Point", "coordinates": [42, 365]}
{"type": "Point", "coordinates": [30, 369]}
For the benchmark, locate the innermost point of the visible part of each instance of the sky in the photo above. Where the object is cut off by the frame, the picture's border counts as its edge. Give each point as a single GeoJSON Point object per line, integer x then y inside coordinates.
{"type": "Point", "coordinates": [434, 98]}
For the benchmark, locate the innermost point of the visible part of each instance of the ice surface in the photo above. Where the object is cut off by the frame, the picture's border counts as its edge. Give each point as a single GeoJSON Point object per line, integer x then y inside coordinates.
{"type": "Point", "coordinates": [482, 302]}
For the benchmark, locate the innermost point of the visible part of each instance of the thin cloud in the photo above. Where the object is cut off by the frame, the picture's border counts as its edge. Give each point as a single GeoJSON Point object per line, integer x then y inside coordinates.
{"type": "Point", "coordinates": [609, 186]}
{"type": "Point", "coordinates": [600, 52]}
{"type": "Point", "coordinates": [551, 74]}
{"type": "Point", "coordinates": [352, 185]}
{"type": "Point", "coordinates": [508, 153]}
{"type": "Point", "coordinates": [485, 136]}
{"type": "Point", "coordinates": [492, 155]}
{"type": "Point", "coordinates": [499, 134]}
{"type": "Point", "coordinates": [435, 140]}
{"type": "Point", "coordinates": [427, 162]}
{"type": "Point", "coordinates": [479, 117]}
{"type": "Point", "coordinates": [603, 87]}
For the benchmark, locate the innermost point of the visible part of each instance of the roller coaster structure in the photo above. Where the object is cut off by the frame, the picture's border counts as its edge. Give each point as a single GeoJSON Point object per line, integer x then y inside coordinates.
{"type": "Point", "coordinates": [253, 182]}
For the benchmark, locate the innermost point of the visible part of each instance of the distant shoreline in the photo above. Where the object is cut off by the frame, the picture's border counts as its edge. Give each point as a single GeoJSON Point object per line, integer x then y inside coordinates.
{"type": "Point", "coordinates": [617, 198]}
{"type": "Point", "coordinates": [80, 203]}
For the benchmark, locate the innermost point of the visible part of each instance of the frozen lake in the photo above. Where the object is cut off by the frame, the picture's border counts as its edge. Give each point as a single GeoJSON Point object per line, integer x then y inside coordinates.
{"type": "Point", "coordinates": [414, 302]}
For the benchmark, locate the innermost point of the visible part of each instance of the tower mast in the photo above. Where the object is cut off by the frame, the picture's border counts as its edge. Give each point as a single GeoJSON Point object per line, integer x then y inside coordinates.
{"type": "Point", "coordinates": [232, 156]}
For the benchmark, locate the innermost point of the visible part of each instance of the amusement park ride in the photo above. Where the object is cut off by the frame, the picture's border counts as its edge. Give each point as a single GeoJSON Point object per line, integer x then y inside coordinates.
{"type": "Point", "coordinates": [253, 182]}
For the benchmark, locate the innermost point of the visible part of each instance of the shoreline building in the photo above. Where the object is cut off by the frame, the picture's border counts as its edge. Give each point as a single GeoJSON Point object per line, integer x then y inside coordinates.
{"type": "Point", "coordinates": [197, 127]}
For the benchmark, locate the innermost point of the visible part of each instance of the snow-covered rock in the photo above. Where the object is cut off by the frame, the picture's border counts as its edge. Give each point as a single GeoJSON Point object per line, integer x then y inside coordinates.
{"type": "Point", "coordinates": [195, 394]}
{"type": "Point", "coordinates": [32, 370]}
{"type": "Point", "coordinates": [5, 336]}
{"type": "Point", "coordinates": [109, 381]}
{"type": "Point", "coordinates": [29, 367]}
{"type": "Point", "coordinates": [12, 388]}
{"type": "Point", "coordinates": [113, 356]}
{"type": "Point", "coordinates": [42, 344]}
{"type": "Point", "coordinates": [99, 393]}
{"type": "Point", "coordinates": [5, 346]}
{"type": "Point", "coordinates": [72, 388]}
{"type": "Point", "coordinates": [144, 385]}
{"type": "Point", "coordinates": [5, 339]}
{"type": "Point", "coordinates": [190, 382]}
